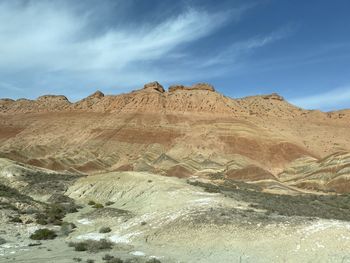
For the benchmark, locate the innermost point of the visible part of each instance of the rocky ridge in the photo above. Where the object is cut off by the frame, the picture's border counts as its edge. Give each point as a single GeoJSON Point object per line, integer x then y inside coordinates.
{"type": "Point", "coordinates": [182, 132]}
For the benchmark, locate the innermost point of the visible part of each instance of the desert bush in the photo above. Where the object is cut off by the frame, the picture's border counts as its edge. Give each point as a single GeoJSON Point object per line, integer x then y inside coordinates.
{"type": "Point", "coordinates": [111, 259]}
{"type": "Point", "coordinates": [153, 260]}
{"type": "Point", "coordinates": [105, 229]}
{"type": "Point", "coordinates": [107, 257]}
{"type": "Point", "coordinates": [90, 261]}
{"type": "Point", "coordinates": [16, 219]}
{"type": "Point", "coordinates": [109, 203]}
{"type": "Point", "coordinates": [54, 213]}
{"type": "Point", "coordinates": [91, 245]}
{"type": "Point", "coordinates": [91, 202]}
{"type": "Point", "coordinates": [98, 206]}
{"type": "Point", "coordinates": [34, 244]}
{"type": "Point", "coordinates": [77, 259]}
{"type": "Point", "coordinates": [67, 228]}
{"type": "Point", "coordinates": [43, 234]}
{"type": "Point", "coordinates": [2, 241]}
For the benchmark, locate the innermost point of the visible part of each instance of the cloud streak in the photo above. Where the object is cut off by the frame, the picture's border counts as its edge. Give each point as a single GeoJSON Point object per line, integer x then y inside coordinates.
{"type": "Point", "coordinates": [57, 47]}
{"type": "Point", "coordinates": [242, 48]}
{"type": "Point", "coordinates": [54, 38]}
{"type": "Point", "coordinates": [332, 99]}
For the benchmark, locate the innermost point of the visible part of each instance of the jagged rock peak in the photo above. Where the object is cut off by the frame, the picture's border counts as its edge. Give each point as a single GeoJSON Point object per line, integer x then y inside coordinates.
{"type": "Point", "coordinates": [98, 95]}
{"type": "Point", "coordinates": [273, 96]}
{"type": "Point", "coordinates": [154, 86]}
{"type": "Point", "coordinates": [198, 86]}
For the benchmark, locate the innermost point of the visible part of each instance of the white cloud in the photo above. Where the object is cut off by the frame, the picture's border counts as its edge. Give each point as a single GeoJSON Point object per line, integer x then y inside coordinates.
{"type": "Point", "coordinates": [333, 99]}
{"type": "Point", "coordinates": [51, 37]}
{"type": "Point", "coordinates": [50, 47]}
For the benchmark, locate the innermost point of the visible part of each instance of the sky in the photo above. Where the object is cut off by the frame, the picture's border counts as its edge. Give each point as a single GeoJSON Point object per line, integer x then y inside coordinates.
{"type": "Point", "coordinates": [299, 49]}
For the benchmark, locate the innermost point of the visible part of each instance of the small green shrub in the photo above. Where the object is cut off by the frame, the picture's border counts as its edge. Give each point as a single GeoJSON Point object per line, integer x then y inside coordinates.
{"type": "Point", "coordinates": [105, 229]}
{"type": "Point", "coordinates": [90, 261]}
{"type": "Point", "coordinates": [16, 219]}
{"type": "Point", "coordinates": [35, 244]}
{"type": "Point", "coordinates": [2, 241]}
{"type": "Point", "coordinates": [91, 202]}
{"type": "Point", "coordinates": [43, 234]}
{"type": "Point", "coordinates": [53, 214]}
{"type": "Point", "coordinates": [109, 203]}
{"type": "Point", "coordinates": [77, 259]}
{"type": "Point", "coordinates": [98, 206]}
{"type": "Point", "coordinates": [67, 228]}
{"type": "Point", "coordinates": [153, 260]}
{"type": "Point", "coordinates": [91, 245]}
{"type": "Point", "coordinates": [107, 257]}
{"type": "Point", "coordinates": [111, 259]}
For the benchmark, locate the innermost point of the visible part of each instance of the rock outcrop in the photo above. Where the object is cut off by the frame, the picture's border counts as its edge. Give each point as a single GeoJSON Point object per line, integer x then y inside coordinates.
{"type": "Point", "coordinates": [199, 86]}
{"type": "Point", "coordinates": [153, 86]}
{"type": "Point", "coordinates": [273, 96]}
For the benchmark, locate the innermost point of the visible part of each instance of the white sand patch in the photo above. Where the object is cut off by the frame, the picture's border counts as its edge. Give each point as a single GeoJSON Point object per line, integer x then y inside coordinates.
{"type": "Point", "coordinates": [123, 238]}
{"type": "Point", "coordinates": [202, 201]}
{"type": "Point", "coordinates": [138, 253]}
{"type": "Point", "coordinates": [85, 221]}
{"type": "Point", "coordinates": [10, 245]}
{"type": "Point", "coordinates": [93, 236]}
{"type": "Point", "coordinates": [322, 225]}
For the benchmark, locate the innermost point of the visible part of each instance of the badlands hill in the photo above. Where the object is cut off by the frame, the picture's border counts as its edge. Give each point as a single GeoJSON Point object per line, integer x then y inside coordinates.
{"type": "Point", "coordinates": [182, 132]}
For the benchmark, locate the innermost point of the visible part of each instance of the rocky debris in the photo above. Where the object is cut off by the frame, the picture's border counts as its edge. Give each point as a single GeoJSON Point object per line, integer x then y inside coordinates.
{"type": "Point", "coordinates": [153, 86]}
{"type": "Point", "coordinates": [198, 86]}
{"type": "Point", "coordinates": [174, 88]}
{"type": "Point", "coordinates": [97, 95]}
{"type": "Point", "coordinates": [52, 98]}
{"type": "Point", "coordinates": [203, 86]}
{"type": "Point", "coordinates": [273, 96]}
{"type": "Point", "coordinates": [6, 100]}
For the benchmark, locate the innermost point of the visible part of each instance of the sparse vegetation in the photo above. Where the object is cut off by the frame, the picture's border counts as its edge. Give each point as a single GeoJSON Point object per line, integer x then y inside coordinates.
{"type": "Point", "coordinates": [90, 261]}
{"type": "Point", "coordinates": [109, 203]}
{"type": "Point", "coordinates": [111, 259]}
{"type": "Point", "coordinates": [9, 192]}
{"type": "Point", "coordinates": [54, 213]}
{"type": "Point", "coordinates": [91, 203]}
{"type": "Point", "coordinates": [16, 219]}
{"type": "Point", "coordinates": [98, 206]}
{"type": "Point", "coordinates": [105, 229]}
{"type": "Point", "coordinates": [67, 228]}
{"type": "Point", "coordinates": [153, 260]}
{"type": "Point", "coordinates": [77, 259]}
{"type": "Point", "coordinates": [95, 205]}
{"type": "Point", "coordinates": [43, 234]}
{"type": "Point", "coordinates": [91, 245]}
{"type": "Point", "coordinates": [2, 241]}
{"type": "Point", "coordinates": [307, 205]}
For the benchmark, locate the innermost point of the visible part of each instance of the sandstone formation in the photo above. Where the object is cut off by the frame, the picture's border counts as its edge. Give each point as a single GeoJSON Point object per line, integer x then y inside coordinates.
{"type": "Point", "coordinates": [183, 132]}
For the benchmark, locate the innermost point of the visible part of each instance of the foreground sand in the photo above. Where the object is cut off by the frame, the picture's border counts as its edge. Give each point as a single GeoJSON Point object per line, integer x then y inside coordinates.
{"type": "Point", "coordinates": [162, 217]}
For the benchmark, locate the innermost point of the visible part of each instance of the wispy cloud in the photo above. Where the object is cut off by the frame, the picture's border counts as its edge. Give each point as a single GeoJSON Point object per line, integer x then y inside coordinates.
{"type": "Point", "coordinates": [242, 48]}
{"type": "Point", "coordinates": [54, 38]}
{"type": "Point", "coordinates": [333, 99]}
{"type": "Point", "coordinates": [47, 44]}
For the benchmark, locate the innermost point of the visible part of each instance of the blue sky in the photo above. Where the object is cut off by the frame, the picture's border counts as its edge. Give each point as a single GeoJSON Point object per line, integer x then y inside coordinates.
{"type": "Point", "coordinates": [297, 48]}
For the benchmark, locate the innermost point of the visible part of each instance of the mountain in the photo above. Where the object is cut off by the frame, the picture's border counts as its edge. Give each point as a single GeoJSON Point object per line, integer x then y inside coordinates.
{"type": "Point", "coordinates": [182, 132]}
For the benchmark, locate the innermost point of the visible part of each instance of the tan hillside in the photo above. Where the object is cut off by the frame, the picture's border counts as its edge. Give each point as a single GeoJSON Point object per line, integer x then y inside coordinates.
{"type": "Point", "coordinates": [186, 131]}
